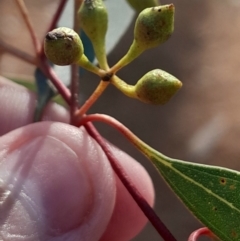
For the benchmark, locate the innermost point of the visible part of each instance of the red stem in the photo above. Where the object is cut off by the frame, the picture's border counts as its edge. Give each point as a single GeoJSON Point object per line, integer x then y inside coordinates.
{"type": "Point", "coordinates": [25, 14]}
{"type": "Point", "coordinates": [57, 15]}
{"type": "Point", "coordinates": [74, 73]}
{"type": "Point", "coordinates": [136, 195]}
{"type": "Point", "coordinates": [137, 142]}
{"type": "Point", "coordinates": [74, 93]}
{"type": "Point", "coordinates": [5, 47]}
{"type": "Point", "coordinates": [200, 232]}
{"type": "Point", "coordinates": [54, 21]}
{"type": "Point", "coordinates": [46, 68]}
{"type": "Point", "coordinates": [49, 72]}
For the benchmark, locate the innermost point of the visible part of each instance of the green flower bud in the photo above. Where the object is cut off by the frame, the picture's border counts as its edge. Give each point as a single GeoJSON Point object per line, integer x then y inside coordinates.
{"type": "Point", "coordinates": [139, 5]}
{"type": "Point", "coordinates": [157, 87]}
{"type": "Point", "coordinates": [93, 19]}
{"type": "Point", "coordinates": [154, 26]}
{"type": "Point", "coordinates": [63, 46]}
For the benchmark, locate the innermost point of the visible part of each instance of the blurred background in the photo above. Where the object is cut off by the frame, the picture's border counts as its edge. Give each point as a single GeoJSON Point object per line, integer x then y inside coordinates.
{"type": "Point", "coordinates": [200, 124]}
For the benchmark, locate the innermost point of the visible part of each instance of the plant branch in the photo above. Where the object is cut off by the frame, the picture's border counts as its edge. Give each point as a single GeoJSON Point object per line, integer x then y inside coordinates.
{"type": "Point", "coordinates": [54, 20]}
{"type": "Point", "coordinates": [139, 199]}
{"type": "Point", "coordinates": [18, 53]}
{"type": "Point", "coordinates": [74, 72]}
{"type": "Point", "coordinates": [137, 142]}
{"type": "Point", "coordinates": [74, 88]}
{"type": "Point", "coordinates": [25, 14]}
{"type": "Point", "coordinates": [57, 15]}
{"type": "Point", "coordinates": [43, 65]}
{"type": "Point", "coordinates": [92, 99]}
{"type": "Point", "coordinates": [49, 72]}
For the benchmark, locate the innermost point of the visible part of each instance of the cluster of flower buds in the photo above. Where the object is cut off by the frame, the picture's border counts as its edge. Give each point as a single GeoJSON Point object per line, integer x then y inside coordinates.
{"type": "Point", "coordinates": [153, 26]}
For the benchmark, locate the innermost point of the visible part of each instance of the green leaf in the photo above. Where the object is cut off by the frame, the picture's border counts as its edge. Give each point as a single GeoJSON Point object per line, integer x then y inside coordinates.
{"type": "Point", "coordinates": [211, 193]}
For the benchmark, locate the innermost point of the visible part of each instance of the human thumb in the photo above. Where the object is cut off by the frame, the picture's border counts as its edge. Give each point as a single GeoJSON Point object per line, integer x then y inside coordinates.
{"type": "Point", "coordinates": [56, 184]}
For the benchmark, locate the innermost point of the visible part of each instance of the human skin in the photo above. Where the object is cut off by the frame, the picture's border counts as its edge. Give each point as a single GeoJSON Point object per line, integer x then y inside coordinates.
{"type": "Point", "coordinates": [55, 181]}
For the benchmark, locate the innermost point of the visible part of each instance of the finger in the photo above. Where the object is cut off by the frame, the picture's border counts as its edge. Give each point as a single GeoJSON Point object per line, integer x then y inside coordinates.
{"type": "Point", "coordinates": [56, 184]}
{"type": "Point", "coordinates": [17, 105]}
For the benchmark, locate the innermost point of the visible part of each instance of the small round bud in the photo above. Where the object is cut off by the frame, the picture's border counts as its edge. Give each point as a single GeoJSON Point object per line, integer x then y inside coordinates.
{"type": "Point", "coordinates": [154, 26]}
{"type": "Point", "coordinates": [63, 46]}
{"type": "Point", "coordinates": [157, 87]}
{"type": "Point", "coordinates": [141, 5]}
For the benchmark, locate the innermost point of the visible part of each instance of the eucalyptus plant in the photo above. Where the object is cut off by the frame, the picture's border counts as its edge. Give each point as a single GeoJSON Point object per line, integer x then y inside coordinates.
{"type": "Point", "coordinates": [209, 192]}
